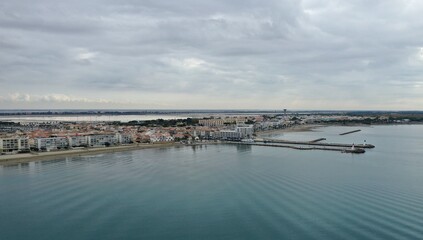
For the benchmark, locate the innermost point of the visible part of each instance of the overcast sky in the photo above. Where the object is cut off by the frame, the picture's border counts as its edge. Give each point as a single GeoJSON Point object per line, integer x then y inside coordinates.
{"type": "Point", "coordinates": [221, 54]}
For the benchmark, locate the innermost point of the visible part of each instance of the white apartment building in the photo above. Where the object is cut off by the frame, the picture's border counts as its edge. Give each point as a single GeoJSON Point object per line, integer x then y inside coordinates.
{"type": "Point", "coordinates": [103, 139]}
{"type": "Point", "coordinates": [51, 143]}
{"type": "Point", "coordinates": [54, 143]}
{"type": "Point", "coordinates": [246, 131]}
{"type": "Point", "coordinates": [240, 132]}
{"type": "Point", "coordinates": [229, 135]}
{"type": "Point", "coordinates": [125, 138]}
{"type": "Point", "coordinates": [13, 144]}
{"type": "Point", "coordinates": [78, 141]}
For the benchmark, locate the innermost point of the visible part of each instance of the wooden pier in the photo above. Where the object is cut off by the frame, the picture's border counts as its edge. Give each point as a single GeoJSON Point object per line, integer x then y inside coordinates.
{"type": "Point", "coordinates": [345, 133]}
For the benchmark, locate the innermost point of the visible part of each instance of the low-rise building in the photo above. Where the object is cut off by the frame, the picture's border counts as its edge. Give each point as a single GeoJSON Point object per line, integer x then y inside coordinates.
{"type": "Point", "coordinates": [125, 138]}
{"type": "Point", "coordinates": [246, 131]}
{"type": "Point", "coordinates": [78, 141]}
{"type": "Point", "coordinates": [229, 135]}
{"type": "Point", "coordinates": [212, 122]}
{"type": "Point", "coordinates": [13, 144]}
{"type": "Point", "coordinates": [240, 132]}
{"type": "Point", "coordinates": [155, 138]}
{"type": "Point", "coordinates": [103, 140]}
{"type": "Point", "coordinates": [51, 143]}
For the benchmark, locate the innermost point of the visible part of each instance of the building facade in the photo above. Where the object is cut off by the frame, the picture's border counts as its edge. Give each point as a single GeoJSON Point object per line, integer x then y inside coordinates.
{"type": "Point", "coordinates": [246, 131]}
{"type": "Point", "coordinates": [51, 143]}
{"type": "Point", "coordinates": [78, 141]}
{"type": "Point", "coordinates": [103, 140]}
{"type": "Point", "coordinates": [212, 122]}
{"type": "Point", "coordinates": [229, 135]}
{"type": "Point", "coordinates": [13, 144]}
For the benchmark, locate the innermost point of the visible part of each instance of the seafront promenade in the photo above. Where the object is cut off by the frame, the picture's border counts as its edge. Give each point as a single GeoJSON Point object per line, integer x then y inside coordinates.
{"type": "Point", "coordinates": [26, 157]}
{"type": "Point", "coordinates": [38, 156]}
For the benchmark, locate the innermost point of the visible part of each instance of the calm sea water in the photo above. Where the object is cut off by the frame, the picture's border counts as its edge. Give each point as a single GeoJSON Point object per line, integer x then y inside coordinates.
{"type": "Point", "coordinates": [224, 192]}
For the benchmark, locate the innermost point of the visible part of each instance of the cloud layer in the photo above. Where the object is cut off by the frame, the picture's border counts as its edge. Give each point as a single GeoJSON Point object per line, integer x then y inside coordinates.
{"type": "Point", "coordinates": [310, 54]}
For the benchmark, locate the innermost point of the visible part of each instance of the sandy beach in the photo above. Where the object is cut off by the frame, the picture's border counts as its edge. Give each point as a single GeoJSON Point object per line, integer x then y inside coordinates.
{"type": "Point", "coordinates": [37, 156]}
{"type": "Point", "coordinates": [296, 128]}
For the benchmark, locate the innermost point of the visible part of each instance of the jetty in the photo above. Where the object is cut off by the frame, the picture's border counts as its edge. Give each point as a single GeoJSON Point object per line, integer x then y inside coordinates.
{"type": "Point", "coordinates": [266, 140]}
{"type": "Point", "coordinates": [342, 150]}
{"type": "Point", "coordinates": [345, 133]}
{"type": "Point", "coordinates": [309, 145]}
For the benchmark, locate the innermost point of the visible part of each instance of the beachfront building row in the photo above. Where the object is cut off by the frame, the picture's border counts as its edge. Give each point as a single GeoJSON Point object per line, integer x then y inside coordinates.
{"type": "Point", "coordinates": [54, 143]}
{"type": "Point", "coordinates": [241, 131]}
{"type": "Point", "coordinates": [48, 141]}
{"type": "Point", "coordinates": [220, 122]}
{"type": "Point", "coordinates": [10, 145]}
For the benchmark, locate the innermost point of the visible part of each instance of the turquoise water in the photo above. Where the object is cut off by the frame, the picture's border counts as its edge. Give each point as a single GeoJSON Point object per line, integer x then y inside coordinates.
{"type": "Point", "coordinates": [224, 192]}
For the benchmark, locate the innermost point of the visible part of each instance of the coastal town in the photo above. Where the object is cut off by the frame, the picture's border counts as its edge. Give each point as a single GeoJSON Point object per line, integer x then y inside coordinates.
{"type": "Point", "coordinates": [50, 136]}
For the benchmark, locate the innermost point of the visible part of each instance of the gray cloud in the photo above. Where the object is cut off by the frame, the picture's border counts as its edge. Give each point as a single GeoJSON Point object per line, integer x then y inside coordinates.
{"type": "Point", "coordinates": [214, 54]}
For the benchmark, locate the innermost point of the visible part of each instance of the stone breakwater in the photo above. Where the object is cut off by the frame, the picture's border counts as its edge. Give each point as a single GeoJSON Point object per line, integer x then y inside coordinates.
{"type": "Point", "coordinates": [266, 140]}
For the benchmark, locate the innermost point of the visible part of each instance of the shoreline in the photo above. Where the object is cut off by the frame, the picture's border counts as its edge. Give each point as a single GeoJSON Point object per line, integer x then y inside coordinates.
{"type": "Point", "coordinates": [28, 157]}
{"type": "Point", "coordinates": [311, 127]}
{"type": "Point", "coordinates": [296, 128]}
{"type": "Point", "coordinates": [44, 156]}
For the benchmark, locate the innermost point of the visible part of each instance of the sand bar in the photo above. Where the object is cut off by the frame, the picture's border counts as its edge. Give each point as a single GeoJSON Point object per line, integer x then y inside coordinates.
{"type": "Point", "coordinates": [296, 128]}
